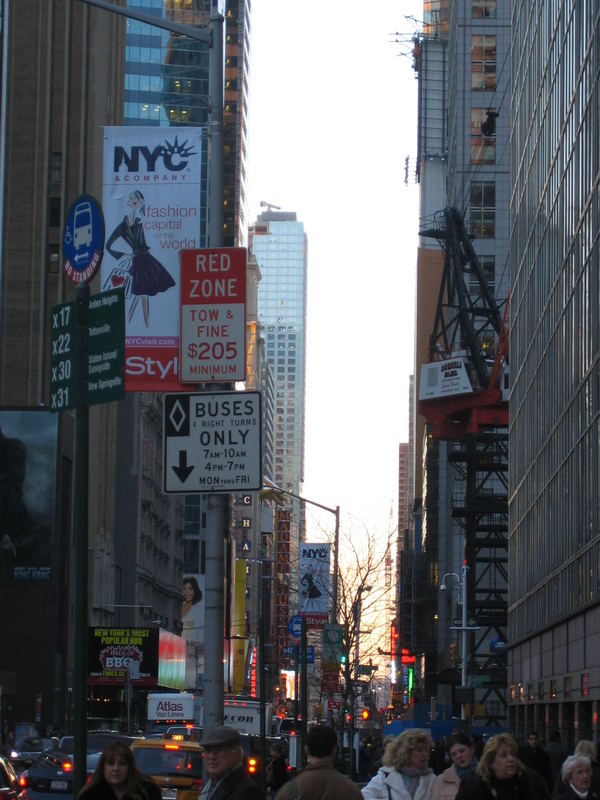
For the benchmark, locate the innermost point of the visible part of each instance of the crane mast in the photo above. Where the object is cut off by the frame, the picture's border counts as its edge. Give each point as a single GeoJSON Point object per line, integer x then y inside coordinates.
{"type": "Point", "coordinates": [463, 396]}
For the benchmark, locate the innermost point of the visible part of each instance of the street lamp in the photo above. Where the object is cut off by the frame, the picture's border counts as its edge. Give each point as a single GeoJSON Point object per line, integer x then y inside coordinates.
{"type": "Point", "coordinates": [270, 485]}
{"type": "Point", "coordinates": [464, 627]}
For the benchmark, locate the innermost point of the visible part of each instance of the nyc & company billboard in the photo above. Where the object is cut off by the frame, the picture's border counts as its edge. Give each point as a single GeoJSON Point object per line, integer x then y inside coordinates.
{"type": "Point", "coordinates": [313, 603]}
{"type": "Point", "coordinates": [151, 204]}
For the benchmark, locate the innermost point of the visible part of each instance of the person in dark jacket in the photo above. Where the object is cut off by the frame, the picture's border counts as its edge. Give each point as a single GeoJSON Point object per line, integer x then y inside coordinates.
{"type": "Point", "coordinates": [277, 773]}
{"type": "Point", "coordinates": [557, 753]}
{"type": "Point", "coordinates": [501, 776]}
{"type": "Point", "coordinates": [319, 780]}
{"type": "Point", "coordinates": [117, 776]}
{"type": "Point", "coordinates": [534, 757]}
{"type": "Point", "coordinates": [223, 756]}
{"type": "Point", "coordinates": [576, 775]}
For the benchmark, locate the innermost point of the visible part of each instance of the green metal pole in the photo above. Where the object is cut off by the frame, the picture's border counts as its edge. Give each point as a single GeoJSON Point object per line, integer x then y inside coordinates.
{"type": "Point", "coordinates": [80, 536]}
{"type": "Point", "coordinates": [304, 690]}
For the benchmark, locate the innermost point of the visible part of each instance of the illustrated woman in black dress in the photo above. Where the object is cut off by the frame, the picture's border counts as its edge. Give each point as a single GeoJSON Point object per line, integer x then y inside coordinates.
{"type": "Point", "coordinates": [148, 276]}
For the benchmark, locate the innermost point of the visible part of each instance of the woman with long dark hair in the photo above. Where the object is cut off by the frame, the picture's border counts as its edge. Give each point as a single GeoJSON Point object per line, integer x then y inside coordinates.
{"type": "Point", "coordinates": [192, 611]}
{"type": "Point", "coordinates": [117, 777]}
{"type": "Point", "coordinates": [460, 750]}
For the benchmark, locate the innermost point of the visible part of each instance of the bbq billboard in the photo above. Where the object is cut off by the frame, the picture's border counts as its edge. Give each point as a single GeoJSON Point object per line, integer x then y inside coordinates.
{"type": "Point", "coordinates": [147, 656]}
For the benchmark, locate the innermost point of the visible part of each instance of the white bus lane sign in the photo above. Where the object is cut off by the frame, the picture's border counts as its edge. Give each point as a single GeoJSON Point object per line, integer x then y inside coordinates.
{"type": "Point", "coordinates": [213, 315]}
{"type": "Point", "coordinates": [212, 442]}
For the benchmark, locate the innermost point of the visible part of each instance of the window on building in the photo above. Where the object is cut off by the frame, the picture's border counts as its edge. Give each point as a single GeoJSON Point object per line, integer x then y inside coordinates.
{"type": "Point", "coordinates": [483, 63]}
{"type": "Point", "coordinates": [54, 212]}
{"type": "Point", "coordinates": [56, 169]}
{"type": "Point", "coordinates": [483, 148]}
{"type": "Point", "coordinates": [484, 9]}
{"type": "Point", "coordinates": [483, 209]}
{"type": "Point", "coordinates": [53, 256]}
{"type": "Point", "coordinates": [488, 267]}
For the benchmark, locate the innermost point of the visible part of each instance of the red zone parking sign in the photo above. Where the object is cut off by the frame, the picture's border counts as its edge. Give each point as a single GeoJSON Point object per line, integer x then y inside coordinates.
{"type": "Point", "coordinates": [213, 315]}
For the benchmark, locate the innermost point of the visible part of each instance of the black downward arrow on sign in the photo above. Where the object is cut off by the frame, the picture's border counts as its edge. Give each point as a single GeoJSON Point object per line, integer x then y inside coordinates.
{"type": "Point", "coordinates": [183, 471]}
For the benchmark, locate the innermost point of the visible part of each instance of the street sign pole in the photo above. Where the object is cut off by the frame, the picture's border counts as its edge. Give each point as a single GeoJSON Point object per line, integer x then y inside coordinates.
{"type": "Point", "coordinates": [80, 535]}
{"type": "Point", "coordinates": [216, 516]}
{"type": "Point", "coordinates": [304, 689]}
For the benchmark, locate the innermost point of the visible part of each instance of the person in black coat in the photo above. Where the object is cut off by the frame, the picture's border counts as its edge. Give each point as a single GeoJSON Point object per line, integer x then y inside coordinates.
{"type": "Point", "coordinates": [117, 776]}
{"type": "Point", "coordinates": [576, 774]}
{"type": "Point", "coordinates": [534, 757]}
{"type": "Point", "coordinates": [277, 773]}
{"type": "Point", "coordinates": [223, 755]}
{"type": "Point", "coordinates": [501, 776]}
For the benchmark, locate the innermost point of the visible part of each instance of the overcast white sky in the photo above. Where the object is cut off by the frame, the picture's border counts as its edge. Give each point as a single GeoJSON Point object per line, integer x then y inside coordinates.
{"type": "Point", "coordinates": [333, 108]}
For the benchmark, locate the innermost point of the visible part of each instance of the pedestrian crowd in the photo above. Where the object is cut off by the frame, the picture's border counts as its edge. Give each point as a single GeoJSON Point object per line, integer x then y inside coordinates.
{"type": "Point", "coordinates": [411, 768]}
{"type": "Point", "coordinates": [459, 768]}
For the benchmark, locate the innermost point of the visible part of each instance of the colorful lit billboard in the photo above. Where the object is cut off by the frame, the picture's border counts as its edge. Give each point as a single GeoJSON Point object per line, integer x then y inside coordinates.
{"type": "Point", "coordinates": [113, 652]}
{"type": "Point", "coordinates": [171, 660]}
{"type": "Point", "coordinates": [149, 656]}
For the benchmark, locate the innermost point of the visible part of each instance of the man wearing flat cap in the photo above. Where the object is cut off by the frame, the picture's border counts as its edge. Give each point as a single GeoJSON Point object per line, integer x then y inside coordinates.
{"type": "Point", "coordinates": [223, 756]}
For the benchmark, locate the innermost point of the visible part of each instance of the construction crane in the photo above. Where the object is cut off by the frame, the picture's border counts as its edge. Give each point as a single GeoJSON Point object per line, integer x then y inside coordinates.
{"type": "Point", "coordinates": [463, 395]}
{"type": "Point", "coordinates": [464, 385]}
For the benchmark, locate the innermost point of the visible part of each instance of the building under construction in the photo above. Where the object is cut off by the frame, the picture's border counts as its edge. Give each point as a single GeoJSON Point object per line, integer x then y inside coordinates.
{"type": "Point", "coordinates": [459, 512]}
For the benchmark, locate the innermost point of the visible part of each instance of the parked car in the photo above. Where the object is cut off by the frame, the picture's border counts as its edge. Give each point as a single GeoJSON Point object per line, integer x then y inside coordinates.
{"type": "Point", "coordinates": [96, 741]}
{"type": "Point", "coordinates": [50, 777]}
{"type": "Point", "coordinates": [175, 766]}
{"type": "Point", "coordinates": [29, 748]}
{"type": "Point", "coordinates": [9, 782]}
{"type": "Point", "coordinates": [285, 726]}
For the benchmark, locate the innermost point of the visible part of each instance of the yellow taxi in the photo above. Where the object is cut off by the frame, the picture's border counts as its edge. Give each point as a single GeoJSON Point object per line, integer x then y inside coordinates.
{"type": "Point", "coordinates": [175, 766]}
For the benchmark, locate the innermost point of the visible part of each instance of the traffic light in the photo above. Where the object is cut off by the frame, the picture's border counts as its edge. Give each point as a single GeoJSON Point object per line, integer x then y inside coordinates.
{"type": "Point", "coordinates": [343, 658]}
{"type": "Point", "coordinates": [365, 714]}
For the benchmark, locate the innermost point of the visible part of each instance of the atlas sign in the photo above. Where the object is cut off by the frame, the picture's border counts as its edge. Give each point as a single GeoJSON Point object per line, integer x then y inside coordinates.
{"type": "Point", "coordinates": [213, 315]}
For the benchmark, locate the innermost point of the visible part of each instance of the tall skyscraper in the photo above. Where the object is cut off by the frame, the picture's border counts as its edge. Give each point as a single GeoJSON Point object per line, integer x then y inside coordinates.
{"type": "Point", "coordinates": [554, 546]}
{"type": "Point", "coordinates": [279, 244]}
{"type": "Point", "coordinates": [167, 83]}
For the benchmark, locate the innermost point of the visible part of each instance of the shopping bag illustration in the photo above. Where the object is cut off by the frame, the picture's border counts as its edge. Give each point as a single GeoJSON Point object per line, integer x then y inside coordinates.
{"type": "Point", "coordinates": [117, 278]}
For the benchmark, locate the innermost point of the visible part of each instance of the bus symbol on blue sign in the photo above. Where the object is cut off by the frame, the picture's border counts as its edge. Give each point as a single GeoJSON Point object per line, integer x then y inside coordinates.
{"type": "Point", "coordinates": [83, 239]}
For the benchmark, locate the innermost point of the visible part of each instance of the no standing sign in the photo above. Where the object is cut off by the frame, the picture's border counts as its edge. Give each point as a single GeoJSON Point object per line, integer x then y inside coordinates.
{"type": "Point", "coordinates": [213, 315]}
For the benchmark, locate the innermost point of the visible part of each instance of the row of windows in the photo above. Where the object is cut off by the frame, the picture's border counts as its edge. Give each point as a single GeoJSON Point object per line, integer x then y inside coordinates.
{"type": "Point", "coordinates": [555, 331]}
{"type": "Point", "coordinates": [573, 587]}
{"type": "Point", "coordinates": [483, 63]}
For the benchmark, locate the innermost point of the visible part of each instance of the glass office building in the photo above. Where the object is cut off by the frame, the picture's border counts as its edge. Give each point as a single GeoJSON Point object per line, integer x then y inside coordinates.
{"type": "Point", "coordinates": [167, 83]}
{"type": "Point", "coordinates": [166, 75]}
{"type": "Point", "coordinates": [279, 244]}
{"type": "Point", "coordinates": [554, 546]}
